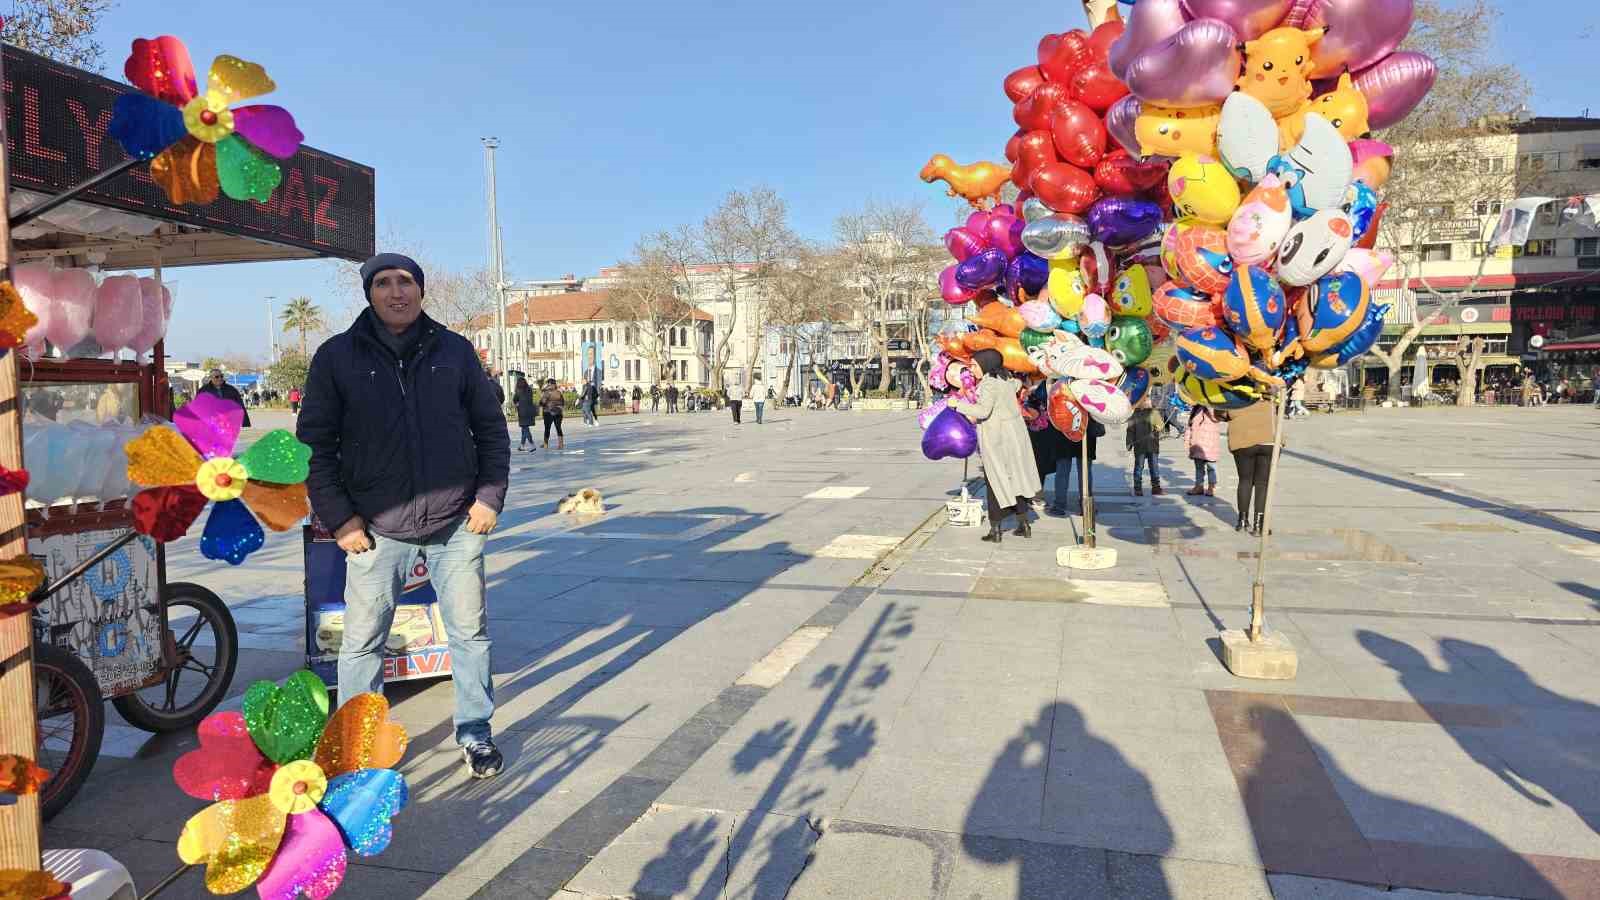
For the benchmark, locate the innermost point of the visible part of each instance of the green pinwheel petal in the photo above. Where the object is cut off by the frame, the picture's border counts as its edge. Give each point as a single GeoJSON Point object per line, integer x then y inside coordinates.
{"type": "Point", "coordinates": [286, 721]}
{"type": "Point", "coordinates": [278, 458]}
{"type": "Point", "coordinates": [245, 172]}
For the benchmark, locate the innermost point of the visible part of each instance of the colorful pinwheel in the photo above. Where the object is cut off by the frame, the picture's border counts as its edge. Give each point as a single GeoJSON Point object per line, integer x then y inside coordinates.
{"type": "Point", "coordinates": [293, 789]}
{"type": "Point", "coordinates": [194, 141]}
{"type": "Point", "coordinates": [183, 469]}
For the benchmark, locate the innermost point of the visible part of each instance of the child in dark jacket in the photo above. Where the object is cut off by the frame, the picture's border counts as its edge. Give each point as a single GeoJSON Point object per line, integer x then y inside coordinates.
{"type": "Point", "coordinates": [1144, 439]}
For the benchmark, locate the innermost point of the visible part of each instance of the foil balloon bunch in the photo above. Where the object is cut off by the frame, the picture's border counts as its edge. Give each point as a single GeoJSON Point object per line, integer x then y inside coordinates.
{"type": "Point", "coordinates": [1264, 108]}
{"type": "Point", "coordinates": [1182, 61]}
{"type": "Point", "coordinates": [1062, 279]}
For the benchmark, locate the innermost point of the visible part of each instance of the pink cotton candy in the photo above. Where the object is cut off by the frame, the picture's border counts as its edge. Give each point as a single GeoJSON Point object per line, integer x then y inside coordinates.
{"type": "Point", "coordinates": [156, 301]}
{"type": "Point", "coordinates": [35, 282]}
{"type": "Point", "coordinates": [73, 292]}
{"type": "Point", "coordinates": [118, 312]}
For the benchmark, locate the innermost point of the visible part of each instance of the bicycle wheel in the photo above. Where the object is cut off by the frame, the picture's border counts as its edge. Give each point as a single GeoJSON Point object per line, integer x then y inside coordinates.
{"type": "Point", "coordinates": [208, 651]}
{"type": "Point", "coordinates": [71, 719]}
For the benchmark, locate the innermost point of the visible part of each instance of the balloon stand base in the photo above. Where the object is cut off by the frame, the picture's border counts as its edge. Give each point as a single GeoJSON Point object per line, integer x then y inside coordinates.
{"type": "Point", "coordinates": [1270, 659]}
{"type": "Point", "coordinates": [1080, 556]}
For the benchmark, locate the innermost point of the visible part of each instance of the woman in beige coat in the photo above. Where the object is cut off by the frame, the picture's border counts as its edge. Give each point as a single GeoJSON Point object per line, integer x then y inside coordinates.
{"type": "Point", "coordinates": [1250, 441]}
{"type": "Point", "coordinates": [1008, 464]}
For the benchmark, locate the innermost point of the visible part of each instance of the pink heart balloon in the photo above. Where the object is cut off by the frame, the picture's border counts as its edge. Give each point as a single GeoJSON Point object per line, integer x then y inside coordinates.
{"type": "Point", "coordinates": [1395, 86]}
{"type": "Point", "coordinates": [963, 244]}
{"type": "Point", "coordinates": [1003, 209]}
{"type": "Point", "coordinates": [1250, 18]}
{"type": "Point", "coordinates": [1195, 67]}
{"type": "Point", "coordinates": [1149, 23]}
{"type": "Point", "coordinates": [1004, 233]}
{"type": "Point", "coordinates": [953, 293]}
{"type": "Point", "coordinates": [1120, 119]}
{"type": "Point", "coordinates": [1360, 32]}
{"type": "Point", "coordinates": [978, 221]}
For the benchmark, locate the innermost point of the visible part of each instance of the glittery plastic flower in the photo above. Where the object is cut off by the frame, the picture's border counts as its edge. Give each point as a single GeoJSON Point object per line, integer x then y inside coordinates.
{"type": "Point", "coordinates": [197, 141]}
{"type": "Point", "coordinates": [293, 787]}
{"type": "Point", "coordinates": [15, 317]}
{"type": "Point", "coordinates": [20, 576]}
{"type": "Point", "coordinates": [30, 884]}
{"type": "Point", "coordinates": [19, 775]}
{"type": "Point", "coordinates": [183, 469]}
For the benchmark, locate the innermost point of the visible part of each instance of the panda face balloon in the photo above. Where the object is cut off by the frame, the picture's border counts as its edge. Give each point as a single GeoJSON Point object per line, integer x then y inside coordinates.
{"type": "Point", "coordinates": [1129, 340]}
{"type": "Point", "coordinates": [1314, 247]}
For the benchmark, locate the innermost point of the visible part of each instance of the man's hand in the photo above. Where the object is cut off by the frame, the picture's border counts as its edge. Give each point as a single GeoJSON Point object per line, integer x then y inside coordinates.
{"type": "Point", "coordinates": [481, 519]}
{"type": "Point", "coordinates": [352, 536]}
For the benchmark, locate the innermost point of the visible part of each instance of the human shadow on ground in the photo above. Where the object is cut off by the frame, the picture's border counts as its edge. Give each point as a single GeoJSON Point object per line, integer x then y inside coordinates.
{"type": "Point", "coordinates": [1311, 817]}
{"type": "Point", "coordinates": [1553, 763]}
{"type": "Point", "coordinates": [1087, 778]}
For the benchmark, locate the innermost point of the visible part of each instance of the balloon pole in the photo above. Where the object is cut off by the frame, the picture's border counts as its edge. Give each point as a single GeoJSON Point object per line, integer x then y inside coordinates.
{"type": "Point", "coordinates": [1086, 492]}
{"type": "Point", "coordinates": [1258, 591]}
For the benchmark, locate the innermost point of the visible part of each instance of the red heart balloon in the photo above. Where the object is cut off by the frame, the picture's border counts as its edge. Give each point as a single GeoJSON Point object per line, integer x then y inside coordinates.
{"type": "Point", "coordinates": [1013, 145]}
{"type": "Point", "coordinates": [1120, 173]}
{"type": "Point", "coordinates": [1101, 39]}
{"type": "Point", "coordinates": [1023, 82]}
{"type": "Point", "coordinates": [1064, 187]}
{"type": "Point", "coordinates": [985, 297]}
{"type": "Point", "coordinates": [1032, 113]}
{"type": "Point", "coordinates": [1034, 149]}
{"type": "Point", "coordinates": [1097, 88]}
{"type": "Point", "coordinates": [1062, 55]}
{"type": "Point", "coordinates": [1080, 135]}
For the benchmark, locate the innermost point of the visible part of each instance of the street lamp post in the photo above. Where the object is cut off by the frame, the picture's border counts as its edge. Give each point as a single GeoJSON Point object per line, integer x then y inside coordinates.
{"type": "Point", "coordinates": [498, 355]}
{"type": "Point", "coordinates": [272, 334]}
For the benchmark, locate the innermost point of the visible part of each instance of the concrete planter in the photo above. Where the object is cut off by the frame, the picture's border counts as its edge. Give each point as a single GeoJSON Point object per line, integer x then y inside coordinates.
{"type": "Point", "coordinates": [873, 404]}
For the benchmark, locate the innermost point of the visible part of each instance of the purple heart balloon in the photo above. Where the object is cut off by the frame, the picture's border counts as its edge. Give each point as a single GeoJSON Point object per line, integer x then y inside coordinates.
{"type": "Point", "coordinates": [1120, 119]}
{"type": "Point", "coordinates": [949, 436]}
{"type": "Point", "coordinates": [981, 270]}
{"type": "Point", "coordinates": [1195, 67]}
{"type": "Point", "coordinates": [1395, 86]}
{"type": "Point", "coordinates": [1116, 221]}
{"type": "Point", "coordinates": [1360, 32]}
{"type": "Point", "coordinates": [963, 244]}
{"type": "Point", "coordinates": [1005, 234]}
{"type": "Point", "coordinates": [931, 411]}
{"type": "Point", "coordinates": [1149, 23]}
{"type": "Point", "coordinates": [1249, 18]}
{"type": "Point", "coordinates": [1028, 272]}
{"type": "Point", "coordinates": [953, 293]}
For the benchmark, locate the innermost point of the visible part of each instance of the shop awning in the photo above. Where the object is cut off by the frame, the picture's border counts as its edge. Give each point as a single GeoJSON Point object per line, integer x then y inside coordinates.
{"type": "Point", "coordinates": [1587, 342]}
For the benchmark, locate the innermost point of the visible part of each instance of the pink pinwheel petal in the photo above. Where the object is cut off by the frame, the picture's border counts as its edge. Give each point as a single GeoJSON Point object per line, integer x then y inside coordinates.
{"type": "Point", "coordinates": [227, 766]}
{"type": "Point", "coordinates": [270, 128]}
{"type": "Point", "coordinates": [210, 423]}
{"type": "Point", "coordinates": [310, 861]}
{"type": "Point", "coordinates": [161, 68]}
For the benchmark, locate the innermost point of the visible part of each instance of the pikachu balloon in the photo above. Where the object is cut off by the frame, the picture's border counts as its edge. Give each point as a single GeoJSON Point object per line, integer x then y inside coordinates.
{"type": "Point", "coordinates": [1277, 71]}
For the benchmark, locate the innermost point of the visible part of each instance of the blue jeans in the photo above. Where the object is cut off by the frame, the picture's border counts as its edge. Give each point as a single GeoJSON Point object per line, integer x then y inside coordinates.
{"type": "Point", "coordinates": [1064, 477]}
{"type": "Point", "coordinates": [1204, 469]}
{"type": "Point", "coordinates": [1139, 461]}
{"type": "Point", "coordinates": [588, 414]}
{"type": "Point", "coordinates": [761, 406]}
{"type": "Point", "coordinates": [373, 581]}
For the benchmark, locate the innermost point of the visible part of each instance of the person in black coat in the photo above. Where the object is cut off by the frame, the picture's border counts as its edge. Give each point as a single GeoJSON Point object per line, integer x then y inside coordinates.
{"type": "Point", "coordinates": [527, 413]}
{"type": "Point", "coordinates": [219, 386]}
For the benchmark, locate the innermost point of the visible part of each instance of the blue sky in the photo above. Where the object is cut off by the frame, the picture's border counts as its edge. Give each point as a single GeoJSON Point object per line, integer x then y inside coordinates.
{"type": "Point", "coordinates": [617, 118]}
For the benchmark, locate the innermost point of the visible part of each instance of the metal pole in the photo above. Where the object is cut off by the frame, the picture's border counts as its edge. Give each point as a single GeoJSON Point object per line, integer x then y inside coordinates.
{"type": "Point", "coordinates": [497, 358]}
{"type": "Point", "coordinates": [1258, 591]}
{"type": "Point", "coordinates": [272, 336]}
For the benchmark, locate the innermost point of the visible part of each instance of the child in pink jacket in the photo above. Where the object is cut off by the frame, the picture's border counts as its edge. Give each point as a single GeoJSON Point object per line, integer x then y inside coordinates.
{"type": "Point", "coordinates": [1203, 440]}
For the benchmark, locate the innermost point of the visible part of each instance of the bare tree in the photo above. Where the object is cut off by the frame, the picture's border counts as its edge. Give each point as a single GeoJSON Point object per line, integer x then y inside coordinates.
{"type": "Point", "coordinates": [62, 30]}
{"type": "Point", "coordinates": [804, 298]}
{"type": "Point", "coordinates": [1453, 169]}
{"type": "Point", "coordinates": [1469, 357]}
{"type": "Point", "coordinates": [653, 291]}
{"type": "Point", "coordinates": [887, 255]}
{"type": "Point", "coordinates": [746, 238]}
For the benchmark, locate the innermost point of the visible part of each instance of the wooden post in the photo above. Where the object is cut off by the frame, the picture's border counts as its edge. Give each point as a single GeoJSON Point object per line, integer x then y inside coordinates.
{"type": "Point", "coordinates": [1258, 591]}
{"type": "Point", "coordinates": [1083, 486]}
{"type": "Point", "coordinates": [19, 730]}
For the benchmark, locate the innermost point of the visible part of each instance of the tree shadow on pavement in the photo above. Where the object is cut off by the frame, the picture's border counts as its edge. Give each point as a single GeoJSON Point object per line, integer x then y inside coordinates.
{"type": "Point", "coordinates": [1565, 770]}
{"type": "Point", "coordinates": [1586, 591]}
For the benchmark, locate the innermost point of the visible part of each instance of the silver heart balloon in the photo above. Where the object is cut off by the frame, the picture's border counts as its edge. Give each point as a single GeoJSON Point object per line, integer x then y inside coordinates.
{"type": "Point", "coordinates": [1055, 236]}
{"type": "Point", "coordinates": [1149, 23]}
{"type": "Point", "coordinates": [1360, 32]}
{"type": "Point", "coordinates": [1034, 208]}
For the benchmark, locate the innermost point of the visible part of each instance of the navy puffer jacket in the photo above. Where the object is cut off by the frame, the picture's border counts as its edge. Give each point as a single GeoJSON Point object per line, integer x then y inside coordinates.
{"type": "Point", "coordinates": [407, 444]}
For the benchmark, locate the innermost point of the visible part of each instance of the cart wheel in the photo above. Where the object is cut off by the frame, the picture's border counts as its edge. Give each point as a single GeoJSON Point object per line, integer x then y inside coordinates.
{"type": "Point", "coordinates": [208, 650]}
{"type": "Point", "coordinates": [72, 721]}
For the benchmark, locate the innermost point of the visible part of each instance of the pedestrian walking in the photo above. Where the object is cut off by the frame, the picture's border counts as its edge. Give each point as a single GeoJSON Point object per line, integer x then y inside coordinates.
{"type": "Point", "coordinates": [527, 413]}
{"type": "Point", "coordinates": [1143, 437]}
{"type": "Point", "coordinates": [1203, 439]}
{"type": "Point", "coordinates": [655, 398]}
{"type": "Point", "coordinates": [672, 398]}
{"type": "Point", "coordinates": [1250, 441]}
{"type": "Point", "coordinates": [761, 395]}
{"type": "Point", "coordinates": [587, 401]}
{"type": "Point", "coordinates": [294, 401]}
{"type": "Point", "coordinates": [638, 394]}
{"type": "Point", "coordinates": [1008, 466]}
{"type": "Point", "coordinates": [218, 386]}
{"type": "Point", "coordinates": [408, 466]}
{"type": "Point", "coordinates": [554, 403]}
{"type": "Point", "coordinates": [736, 401]}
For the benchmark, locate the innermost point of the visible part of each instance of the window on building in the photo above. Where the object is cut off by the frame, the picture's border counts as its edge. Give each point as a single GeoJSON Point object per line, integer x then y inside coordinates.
{"type": "Point", "coordinates": [1588, 247]}
{"type": "Point", "coordinates": [1540, 248]}
{"type": "Point", "coordinates": [1589, 156]}
{"type": "Point", "coordinates": [1487, 207]}
{"type": "Point", "coordinates": [1435, 252]}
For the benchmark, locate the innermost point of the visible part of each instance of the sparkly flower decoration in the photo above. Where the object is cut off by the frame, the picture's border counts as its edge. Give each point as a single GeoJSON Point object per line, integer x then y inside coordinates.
{"type": "Point", "coordinates": [197, 141]}
{"type": "Point", "coordinates": [27, 884]}
{"type": "Point", "coordinates": [15, 317]}
{"type": "Point", "coordinates": [183, 469]}
{"type": "Point", "coordinates": [19, 775]}
{"type": "Point", "coordinates": [20, 576]}
{"type": "Point", "coordinates": [293, 789]}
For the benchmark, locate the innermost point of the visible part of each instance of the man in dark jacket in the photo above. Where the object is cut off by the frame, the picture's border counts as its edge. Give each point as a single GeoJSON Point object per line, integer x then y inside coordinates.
{"type": "Point", "coordinates": [219, 386]}
{"type": "Point", "coordinates": [409, 457]}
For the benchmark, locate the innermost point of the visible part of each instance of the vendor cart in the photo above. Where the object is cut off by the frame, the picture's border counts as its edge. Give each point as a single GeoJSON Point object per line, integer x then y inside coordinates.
{"type": "Point", "coordinates": [110, 626]}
